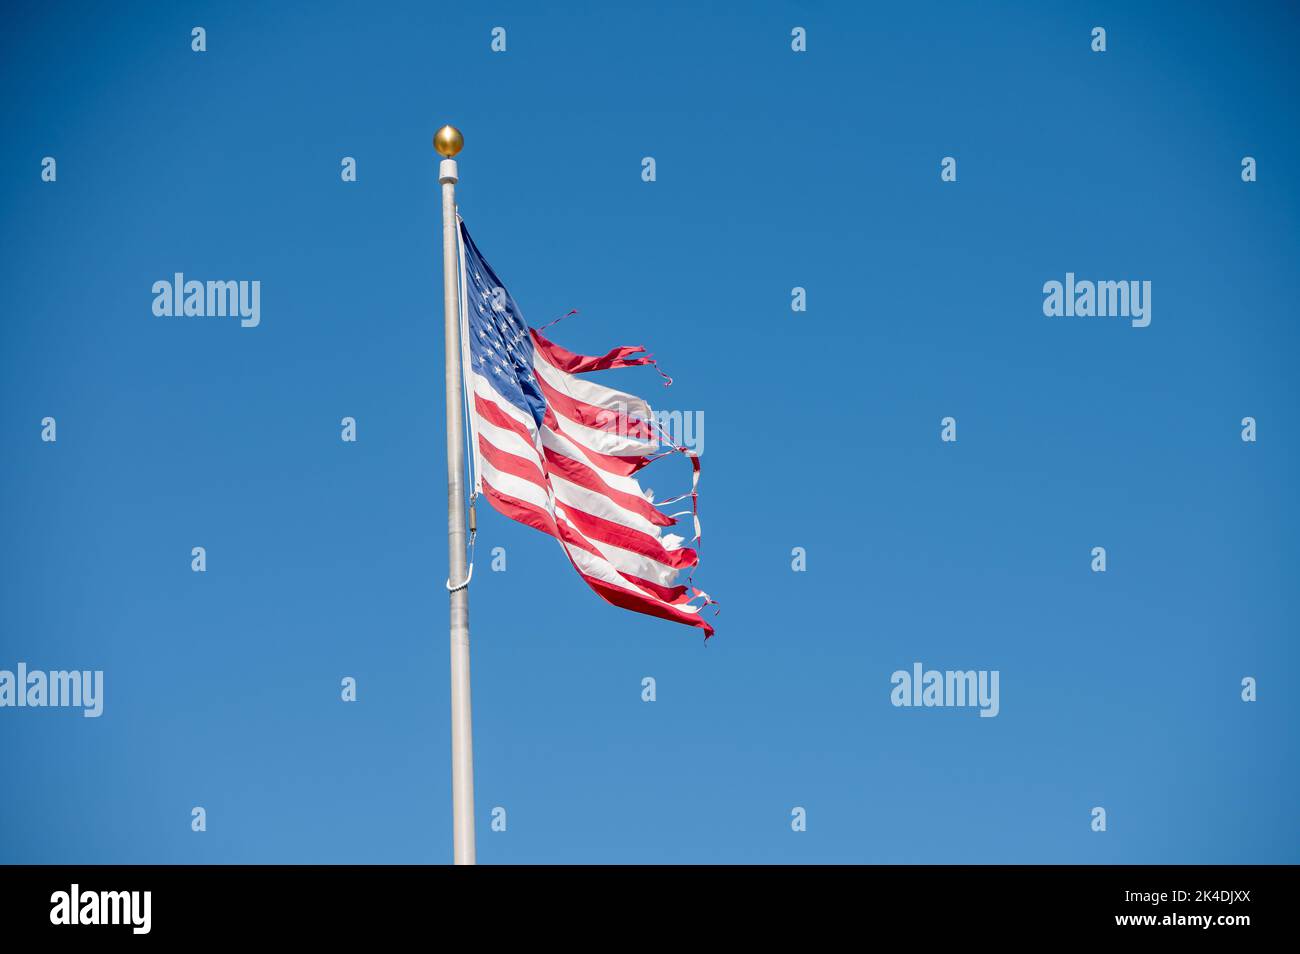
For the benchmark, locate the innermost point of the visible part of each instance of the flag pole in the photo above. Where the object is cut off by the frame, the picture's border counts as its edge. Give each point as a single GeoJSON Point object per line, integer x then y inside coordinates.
{"type": "Point", "coordinates": [448, 142]}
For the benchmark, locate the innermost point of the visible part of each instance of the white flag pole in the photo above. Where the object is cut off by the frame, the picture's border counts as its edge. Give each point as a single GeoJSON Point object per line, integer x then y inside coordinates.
{"type": "Point", "coordinates": [448, 141]}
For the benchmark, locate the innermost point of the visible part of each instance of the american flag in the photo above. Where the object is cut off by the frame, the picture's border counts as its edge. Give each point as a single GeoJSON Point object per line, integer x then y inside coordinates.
{"type": "Point", "coordinates": [560, 453]}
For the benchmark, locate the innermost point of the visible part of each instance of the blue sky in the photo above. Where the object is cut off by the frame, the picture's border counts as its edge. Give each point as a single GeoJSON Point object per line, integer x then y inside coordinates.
{"type": "Point", "coordinates": [774, 170]}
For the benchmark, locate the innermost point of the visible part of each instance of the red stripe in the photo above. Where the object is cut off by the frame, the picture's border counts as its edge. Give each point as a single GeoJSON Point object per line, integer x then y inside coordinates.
{"type": "Point", "coordinates": [668, 594]}
{"type": "Point", "coordinates": [617, 535]}
{"type": "Point", "coordinates": [574, 539]}
{"type": "Point", "coordinates": [526, 513]}
{"type": "Point", "coordinates": [520, 510]}
{"type": "Point", "coordinates": [566, 360]}
{"type": "Point", "coordinates": [494, 415]}
{"type": "Point", "coordinates": [592, 416]}
{"type": "Point", "coordinates": [579, 473]}
{"type": "Point", "coordinates": [508, 463]}
{"type": "Point", "coordinates": [538, 519]}
{"type": "Point", "coordinates": [644, 604]}
{"type": "Point", "coordinates": [615, 464]}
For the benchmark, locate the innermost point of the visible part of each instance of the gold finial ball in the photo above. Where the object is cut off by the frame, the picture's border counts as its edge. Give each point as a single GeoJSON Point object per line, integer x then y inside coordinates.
{"type": "Point", "coordinates": [448, 141]}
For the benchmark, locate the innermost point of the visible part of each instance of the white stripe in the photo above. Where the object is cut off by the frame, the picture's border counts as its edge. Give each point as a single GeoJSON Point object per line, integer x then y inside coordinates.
{"type": "Point", "coordinates": [583, 498]}
{"type": "Point", "coordinates": [628, 561]}
{"type": "Point", "coordinates": [589, 501]}
{"type": "Point", "coordinates": [635, 563]}
{"type": "Point", "coordinates": [510, 442]}
{"type": "Point", "coordinates": [598, 505]}
{"type": "Point", "coordinates": [602, 570]}
{"type": "Point", "coordinates": [602, 442]}
{"type": "Point", "coordinates": [513, 486]}
{"type": "Point", "coordinates": [484, 389]}
{"type": "Point", "coordinates": [566, 448]}
{"type": "Point", "coordinates": [588, 392]}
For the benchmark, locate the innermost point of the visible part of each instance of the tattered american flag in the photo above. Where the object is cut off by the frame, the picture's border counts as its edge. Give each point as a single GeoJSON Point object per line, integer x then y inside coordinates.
{"type": "Point", "coordinates": [560, 453]}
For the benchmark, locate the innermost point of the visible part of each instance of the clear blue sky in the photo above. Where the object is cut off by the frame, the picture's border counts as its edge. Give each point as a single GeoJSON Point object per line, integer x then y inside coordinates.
{"type": "Point", "coordinates": [775, 169]}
